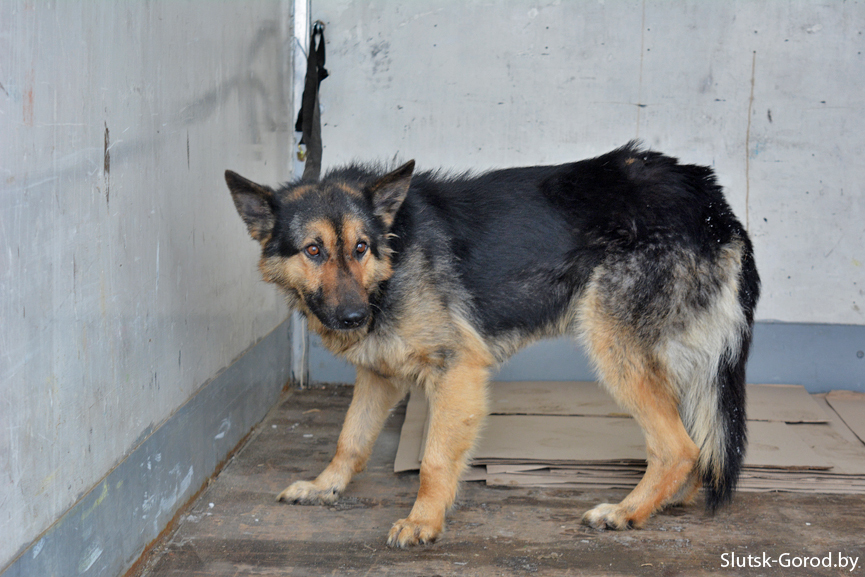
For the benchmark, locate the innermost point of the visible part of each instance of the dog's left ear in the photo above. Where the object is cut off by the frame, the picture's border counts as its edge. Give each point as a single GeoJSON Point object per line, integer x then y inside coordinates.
{"type": "Point", "coordinates": [388, 193]}
{"type": "Point", "coordinates": [254, 203]}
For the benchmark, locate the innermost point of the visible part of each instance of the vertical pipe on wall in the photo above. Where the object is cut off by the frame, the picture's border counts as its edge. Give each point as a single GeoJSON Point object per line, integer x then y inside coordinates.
{"type": "Point", "coordinates": [299, 333]}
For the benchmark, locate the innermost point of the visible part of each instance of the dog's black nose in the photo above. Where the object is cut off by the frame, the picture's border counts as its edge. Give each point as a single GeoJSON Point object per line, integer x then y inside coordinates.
{"type": "Point", "coordinates": [351, 318]}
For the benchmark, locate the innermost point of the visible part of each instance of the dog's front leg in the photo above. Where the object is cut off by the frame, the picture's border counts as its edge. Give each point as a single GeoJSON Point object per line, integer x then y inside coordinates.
{"type": "Point", "coordinates": [373, 399]}
{"type": "Point", "coordinates": [458, 405]}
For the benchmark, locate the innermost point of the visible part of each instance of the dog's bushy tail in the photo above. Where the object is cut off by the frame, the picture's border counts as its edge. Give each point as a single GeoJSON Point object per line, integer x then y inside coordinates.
{"type": "Point", "coordinates": [722, 465]}
{"type": "Point", "coordinates": [712, 378]}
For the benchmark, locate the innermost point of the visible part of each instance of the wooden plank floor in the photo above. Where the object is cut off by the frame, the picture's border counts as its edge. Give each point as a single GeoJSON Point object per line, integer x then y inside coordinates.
{"type": "Point", "coordinates": [237, 528]}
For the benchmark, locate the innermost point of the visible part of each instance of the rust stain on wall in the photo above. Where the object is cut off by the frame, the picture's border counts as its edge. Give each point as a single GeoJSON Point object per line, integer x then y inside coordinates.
{"type": "Point", "coordinates": [28, 98]}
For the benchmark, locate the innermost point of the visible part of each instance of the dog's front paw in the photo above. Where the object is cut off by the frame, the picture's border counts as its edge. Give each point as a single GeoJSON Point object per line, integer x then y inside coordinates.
{"type": "Point", "coordinates": [308, 493]}
{"type": "Point", "coordinates": [407, 532]}
{"type": "Point", "coordinates": [609, 516]}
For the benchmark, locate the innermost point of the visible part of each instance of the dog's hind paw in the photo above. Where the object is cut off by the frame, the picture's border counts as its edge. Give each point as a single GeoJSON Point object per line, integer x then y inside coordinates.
{"type": "Point", "coordinates": [609, 516]}
{"type": "Point", "coordinates": [406, 533]}
{"type": "Point", "coordinates": [308, 493]}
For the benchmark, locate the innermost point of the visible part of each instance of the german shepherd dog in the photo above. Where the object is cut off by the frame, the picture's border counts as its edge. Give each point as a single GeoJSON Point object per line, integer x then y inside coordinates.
{"type": "Point", "coordinates": [432, 280]}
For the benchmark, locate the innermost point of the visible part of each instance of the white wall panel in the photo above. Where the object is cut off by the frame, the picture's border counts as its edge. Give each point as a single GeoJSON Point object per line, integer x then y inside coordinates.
{"type": "Point", "coordinates": [769, 93]}
{"type": "Point", "coordinates": [126, 278]}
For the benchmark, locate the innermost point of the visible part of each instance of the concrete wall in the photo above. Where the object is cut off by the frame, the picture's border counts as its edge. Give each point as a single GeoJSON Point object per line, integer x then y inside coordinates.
{"type": "Point", "coordinates": [127, 280]}
{"type": "Point", "coordinates": [768, 93]}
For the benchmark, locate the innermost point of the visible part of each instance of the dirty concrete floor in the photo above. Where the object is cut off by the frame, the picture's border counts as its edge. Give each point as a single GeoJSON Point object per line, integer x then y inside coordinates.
{"type": "Point", "coordinates": [237, 528]}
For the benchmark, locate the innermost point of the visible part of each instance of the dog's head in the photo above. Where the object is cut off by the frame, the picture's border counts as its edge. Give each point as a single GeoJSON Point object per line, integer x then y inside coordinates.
{"type": "Point", "coordinates": [324, 244]}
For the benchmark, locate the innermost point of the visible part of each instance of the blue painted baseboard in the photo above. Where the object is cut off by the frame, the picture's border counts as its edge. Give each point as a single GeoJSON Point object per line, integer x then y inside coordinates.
{"type": "Point", "coordinates": [820, 357]}
{"type": "Point", "coordinates": [108, 529]}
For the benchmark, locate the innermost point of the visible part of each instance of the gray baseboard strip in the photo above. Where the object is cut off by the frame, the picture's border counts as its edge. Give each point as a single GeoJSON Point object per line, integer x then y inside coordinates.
{"type": "Point", "coordinates": [821, 357]}
{"type": "Point", "coordinates": [108, 529]}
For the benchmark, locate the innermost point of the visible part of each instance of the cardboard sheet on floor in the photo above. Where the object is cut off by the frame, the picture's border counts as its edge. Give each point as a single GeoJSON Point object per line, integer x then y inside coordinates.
{"type": "Point", "coordinates": [784, 403]}
{"type": "Point", "coordinates": [776, 445]}
{"type": "Point", "coordinates": [837, 423]}
{"type": "Point", "coordinates": [600, 439]}
{"type": "Point", "coordinates": [850, 407]}
{"type": "Point", "coordinates": [846, 457]}
{"type": "Point", "coordinates": [560, 439]}
{"type": "Point", "coordinates": [552, 398]}
{"type": "Point", "coordinates": [411, 437]}
{"type": "Point", "coordinates": [571, 434]}
{"type": "Point", "coordinates": [571, 481]}
{"type": "Point", "coordinates": [474, 474]}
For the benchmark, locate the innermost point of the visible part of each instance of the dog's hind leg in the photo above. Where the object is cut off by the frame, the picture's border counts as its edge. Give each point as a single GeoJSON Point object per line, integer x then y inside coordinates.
{"type": "Point", "coordinates": [642, 384]}
{"type": "Point", "coordinates": [373, 399]}
{"type": "Point", "coordinates": [458, 406]}
{"type": "Point", "coordinates": [671, 454]}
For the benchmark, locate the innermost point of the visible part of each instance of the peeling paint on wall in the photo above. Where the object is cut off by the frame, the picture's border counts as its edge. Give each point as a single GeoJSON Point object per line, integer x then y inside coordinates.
{"type": "Point", "coordinates": [89, 557]}
{"type": "Point", "coordinates": [99, 500]}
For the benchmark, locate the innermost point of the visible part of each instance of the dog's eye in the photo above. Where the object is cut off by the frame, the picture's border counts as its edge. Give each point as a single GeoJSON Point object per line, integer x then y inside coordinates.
{"type": "Point", "coordinates": [361, 248]}
{"type": "Point", "coordinates": [312, 250]}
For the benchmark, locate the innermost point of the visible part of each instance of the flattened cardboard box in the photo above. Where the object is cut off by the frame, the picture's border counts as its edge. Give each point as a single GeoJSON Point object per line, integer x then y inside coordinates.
{"type": "Point", "coordinates": [850, 407]}
{"type": "Point", "coordinates": [572, 434]}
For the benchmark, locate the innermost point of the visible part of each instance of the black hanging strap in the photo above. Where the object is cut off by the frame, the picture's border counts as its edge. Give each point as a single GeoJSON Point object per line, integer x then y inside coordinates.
{"type": "Point", "coordinates": [308, 119]}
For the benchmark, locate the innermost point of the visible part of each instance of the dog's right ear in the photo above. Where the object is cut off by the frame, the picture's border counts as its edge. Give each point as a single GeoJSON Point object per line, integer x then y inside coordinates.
{"type": "Point", "coordinates": [254, 203]}
{"type": "Point", "coordinates": [388, 193]}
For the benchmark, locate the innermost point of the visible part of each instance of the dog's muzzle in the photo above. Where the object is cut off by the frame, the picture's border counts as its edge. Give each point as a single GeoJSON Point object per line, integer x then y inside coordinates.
{"type": "Point", "coordinates": [351, 317]}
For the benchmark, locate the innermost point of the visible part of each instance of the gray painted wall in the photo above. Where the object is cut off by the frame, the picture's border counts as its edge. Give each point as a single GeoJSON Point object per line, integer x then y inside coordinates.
{"type": "Point", "coordinates": [768, 93]}
{"type": "Point", "coordinates": [127, 279]}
